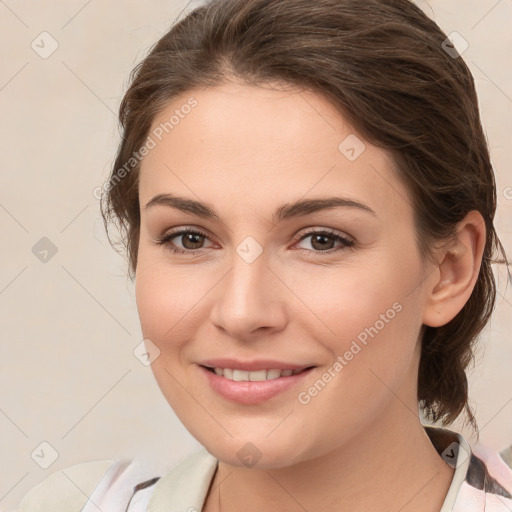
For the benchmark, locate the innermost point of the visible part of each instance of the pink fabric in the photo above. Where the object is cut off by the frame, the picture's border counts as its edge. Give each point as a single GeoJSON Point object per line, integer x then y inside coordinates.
{"type": "Point", "coordinates": [496, 466]}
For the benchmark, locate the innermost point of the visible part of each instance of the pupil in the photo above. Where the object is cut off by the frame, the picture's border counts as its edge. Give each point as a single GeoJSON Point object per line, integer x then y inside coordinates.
{"type": "Point", "coordinates": [322, 245]}
{"type": "Point", "coordinates": [192, 241]}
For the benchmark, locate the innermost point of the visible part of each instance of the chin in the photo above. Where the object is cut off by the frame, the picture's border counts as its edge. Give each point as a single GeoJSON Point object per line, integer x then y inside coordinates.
{"type": "Point", "coordinates": [258, 454]}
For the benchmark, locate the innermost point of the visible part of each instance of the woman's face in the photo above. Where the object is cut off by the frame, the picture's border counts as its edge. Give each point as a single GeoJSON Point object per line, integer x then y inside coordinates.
{"type": "Point", "coordinates": [304, 256]}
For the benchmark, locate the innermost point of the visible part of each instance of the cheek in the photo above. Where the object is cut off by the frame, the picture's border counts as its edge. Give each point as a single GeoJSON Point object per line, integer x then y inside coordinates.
{"type": "Point", "coordinates": [340, 303]}
{"type": "Point", "coordinates": [167, 298]}
{"type": "Point", "coordinates": [170, 303]}
{"type": "Point", "coordinates": [369, 329]}
{"type": "Point", "coordinates": [369, 315]}
{"type": "Point", "coordinates": [165, 307]}
{"type": "Point", "coordinates": [156, 300]}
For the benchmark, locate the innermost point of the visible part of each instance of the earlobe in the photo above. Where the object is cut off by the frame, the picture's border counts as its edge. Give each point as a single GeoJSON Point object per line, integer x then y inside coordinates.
{"type": "Point", "coordinates": [458, 269]}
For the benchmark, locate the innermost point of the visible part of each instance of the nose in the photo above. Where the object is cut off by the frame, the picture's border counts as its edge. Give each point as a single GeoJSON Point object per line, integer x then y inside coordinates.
{"type": "Point", "coordinates": [249, 300]}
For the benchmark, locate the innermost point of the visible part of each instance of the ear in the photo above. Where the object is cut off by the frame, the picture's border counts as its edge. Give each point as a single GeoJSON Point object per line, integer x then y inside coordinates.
{"type": "Point", "coordinates": [457, 271]}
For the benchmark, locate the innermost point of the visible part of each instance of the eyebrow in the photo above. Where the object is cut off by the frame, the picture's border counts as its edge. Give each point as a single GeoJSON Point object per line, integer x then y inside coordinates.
{"type": "Point", "coordinates": [286, 211]}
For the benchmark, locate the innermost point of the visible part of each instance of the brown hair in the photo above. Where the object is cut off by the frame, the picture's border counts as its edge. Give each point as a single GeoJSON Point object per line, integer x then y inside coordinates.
{"type": "Point", "coordinates": [385, 65]}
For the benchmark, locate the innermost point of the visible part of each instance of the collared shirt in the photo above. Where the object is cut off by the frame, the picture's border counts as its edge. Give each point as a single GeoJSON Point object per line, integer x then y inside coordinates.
{"type": "Point", "coordinates": [127, 485]}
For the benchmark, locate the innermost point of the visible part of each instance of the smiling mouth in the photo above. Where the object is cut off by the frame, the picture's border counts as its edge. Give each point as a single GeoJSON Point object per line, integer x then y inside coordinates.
{"type": "Point", "coordinates": [254, 376]}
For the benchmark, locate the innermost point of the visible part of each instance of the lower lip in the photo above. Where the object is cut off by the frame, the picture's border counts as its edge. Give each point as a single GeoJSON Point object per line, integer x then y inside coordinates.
{"type": "Point", "coordinates": [252, 392]}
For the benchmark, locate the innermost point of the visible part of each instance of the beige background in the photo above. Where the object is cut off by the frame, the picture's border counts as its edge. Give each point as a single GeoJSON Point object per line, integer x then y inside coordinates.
{"type": "Point", "coordinates": [69, 325]}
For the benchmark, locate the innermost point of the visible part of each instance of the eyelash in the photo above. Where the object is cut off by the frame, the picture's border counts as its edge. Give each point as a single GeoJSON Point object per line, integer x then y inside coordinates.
{"type": "Point", "coordinates": [167, 237]}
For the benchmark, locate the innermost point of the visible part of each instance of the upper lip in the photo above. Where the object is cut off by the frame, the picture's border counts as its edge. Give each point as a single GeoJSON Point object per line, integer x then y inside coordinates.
{"type": "Point", "coordinates": [260, 364]}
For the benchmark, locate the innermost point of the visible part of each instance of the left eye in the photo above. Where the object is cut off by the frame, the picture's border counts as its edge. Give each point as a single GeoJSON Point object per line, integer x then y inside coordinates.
{"type": "Point", "coordinates": [324, 240]}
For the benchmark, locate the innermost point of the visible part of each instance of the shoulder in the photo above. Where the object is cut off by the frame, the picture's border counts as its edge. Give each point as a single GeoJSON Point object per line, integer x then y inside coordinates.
{"type": "Point", "coordinates": [487, 485]}
{"type": "Point", "coordinates": [495, 470]}
{"type": "Point", "coordinates": [482, 480]}
{"type": "Point", "coordinates": [66, 488]}
{"type": "Point", "coordinates": [89, 485]}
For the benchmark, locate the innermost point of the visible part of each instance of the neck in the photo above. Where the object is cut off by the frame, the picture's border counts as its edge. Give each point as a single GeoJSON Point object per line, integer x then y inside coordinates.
{"type": "Point", "coordinates": [392, 465]}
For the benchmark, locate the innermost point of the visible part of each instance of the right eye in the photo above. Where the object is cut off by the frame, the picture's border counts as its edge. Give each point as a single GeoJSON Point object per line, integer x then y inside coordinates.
{"type": "Point", "coordinates": [191, 240]}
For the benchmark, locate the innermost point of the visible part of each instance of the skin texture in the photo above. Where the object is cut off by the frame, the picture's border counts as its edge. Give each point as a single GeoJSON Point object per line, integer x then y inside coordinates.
{"type": "Point", "coordinates": [358, 443]}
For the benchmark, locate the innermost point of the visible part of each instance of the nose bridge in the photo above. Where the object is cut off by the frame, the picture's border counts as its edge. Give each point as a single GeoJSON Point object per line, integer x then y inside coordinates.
{"type": "Point", "coordinates": [245, 290]}
{"type": "Point", "coordinates": [248, 297]}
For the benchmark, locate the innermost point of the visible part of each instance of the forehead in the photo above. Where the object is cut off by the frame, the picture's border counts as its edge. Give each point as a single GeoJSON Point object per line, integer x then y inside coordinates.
{"type": "Point", "coordinates": [253, 145]}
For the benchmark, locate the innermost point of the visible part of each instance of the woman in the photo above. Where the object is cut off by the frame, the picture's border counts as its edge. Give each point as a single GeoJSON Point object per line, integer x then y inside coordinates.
{"type": "Point", "coordinates": [306, 198]}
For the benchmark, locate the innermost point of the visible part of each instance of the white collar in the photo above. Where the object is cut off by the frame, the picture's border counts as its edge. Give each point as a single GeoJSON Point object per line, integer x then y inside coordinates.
{"type": "Point", "coordinates": [185, 486]}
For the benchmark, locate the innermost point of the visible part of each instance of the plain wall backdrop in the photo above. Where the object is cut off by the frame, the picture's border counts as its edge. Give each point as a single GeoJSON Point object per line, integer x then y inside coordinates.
{"type": "Point", "coordinates": [68, 319]}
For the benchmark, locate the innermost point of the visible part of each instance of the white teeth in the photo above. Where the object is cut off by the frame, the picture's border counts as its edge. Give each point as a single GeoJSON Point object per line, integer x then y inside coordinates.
{"type": "Point", "coordinates": [239, 375]}
{"type": "Point", "coordinates": [273, 374]}
{"type": "Point", "coordinates": [259, 375]}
